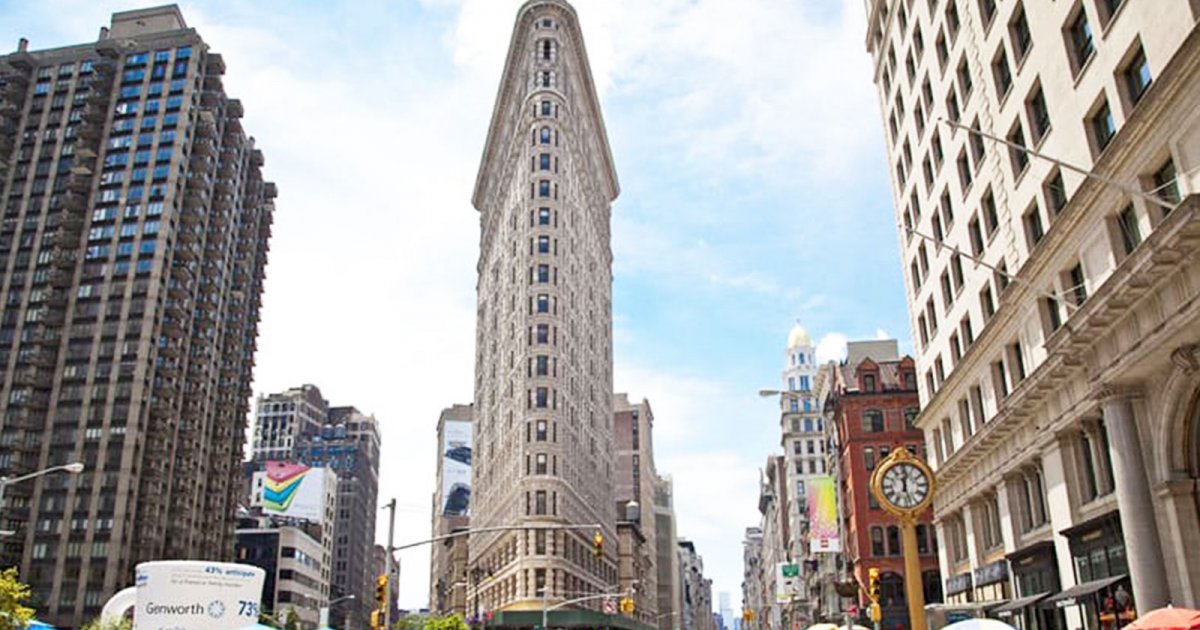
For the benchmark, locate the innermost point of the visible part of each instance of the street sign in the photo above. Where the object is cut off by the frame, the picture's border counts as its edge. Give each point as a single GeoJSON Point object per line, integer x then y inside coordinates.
{"type": "Point", "coordinates": [610, 606]}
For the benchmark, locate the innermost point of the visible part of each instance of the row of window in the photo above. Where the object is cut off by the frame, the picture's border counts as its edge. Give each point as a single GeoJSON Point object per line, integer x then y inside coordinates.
{"type": "Point", "coordinates": [885, 541]}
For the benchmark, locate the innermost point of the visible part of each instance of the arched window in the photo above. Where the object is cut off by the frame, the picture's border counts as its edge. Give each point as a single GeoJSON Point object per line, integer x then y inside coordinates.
{"type": "Point", "coordinates": [877, 548]}
{"type": "Point", "coordinates": [891, 590]}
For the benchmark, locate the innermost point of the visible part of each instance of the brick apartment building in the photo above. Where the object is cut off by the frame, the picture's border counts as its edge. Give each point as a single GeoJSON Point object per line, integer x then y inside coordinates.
{"type": "Point", "coordinates": [871, 405]}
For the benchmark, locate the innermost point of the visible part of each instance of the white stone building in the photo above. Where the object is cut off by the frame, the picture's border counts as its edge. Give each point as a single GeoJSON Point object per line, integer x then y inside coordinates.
{"type": "Point", "coordinates": [1055, 315]}
{"type": "Point", "coordinates": [543, 437]}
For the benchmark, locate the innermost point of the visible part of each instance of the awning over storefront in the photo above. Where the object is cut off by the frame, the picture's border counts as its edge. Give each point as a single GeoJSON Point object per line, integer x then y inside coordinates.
{"type": "Point", "coordinates": [1008, 608]}
{"type": "Point", "coordinates": [1068, 597]}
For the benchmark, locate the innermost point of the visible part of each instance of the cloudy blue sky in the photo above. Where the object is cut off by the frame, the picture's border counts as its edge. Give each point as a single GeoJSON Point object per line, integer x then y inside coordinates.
{"type": "Point", "coordinates": [754, 193]}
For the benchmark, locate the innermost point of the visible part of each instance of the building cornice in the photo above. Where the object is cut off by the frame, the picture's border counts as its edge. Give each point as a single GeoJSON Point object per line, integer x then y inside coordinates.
{"type": "Point", "coordinates": [508, 97]}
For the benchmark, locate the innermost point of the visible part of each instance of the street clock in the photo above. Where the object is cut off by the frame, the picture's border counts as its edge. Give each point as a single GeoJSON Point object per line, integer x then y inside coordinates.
{"type": "Point", "coordinates": [903, 484]}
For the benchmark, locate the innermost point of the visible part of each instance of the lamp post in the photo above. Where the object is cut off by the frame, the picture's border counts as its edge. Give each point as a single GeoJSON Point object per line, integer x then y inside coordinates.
{"type": "Point", "coordinates": [323, 620]}
{"type": "Point", "coordinates": [73, 468]}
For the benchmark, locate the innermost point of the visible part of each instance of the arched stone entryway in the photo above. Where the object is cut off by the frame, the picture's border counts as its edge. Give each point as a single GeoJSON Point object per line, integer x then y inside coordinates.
{"type": "Point", "coordinates": [1175, 474]}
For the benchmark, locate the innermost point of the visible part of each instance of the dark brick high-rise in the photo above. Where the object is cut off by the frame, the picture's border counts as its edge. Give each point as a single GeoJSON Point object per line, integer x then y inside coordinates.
{"type": "Point", "coordinates": [132, 250]}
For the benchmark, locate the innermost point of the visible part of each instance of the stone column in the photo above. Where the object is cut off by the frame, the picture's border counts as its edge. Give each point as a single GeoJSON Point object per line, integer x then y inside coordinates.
{"type": "Point", "coordinates": [1058, 506]}
{"type": "Point", "coordinates": [1008, 529]}
{"type": "Point", "coordinates": [1138, 523]}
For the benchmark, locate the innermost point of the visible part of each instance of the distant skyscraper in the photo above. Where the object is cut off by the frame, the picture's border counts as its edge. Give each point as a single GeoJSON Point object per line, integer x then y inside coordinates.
{"type": "Point", "coordinates": [451, 511]}
{"type": "Point", "coordinates": [543, 388]}
{"type": "Point", "coordinates": [132, 247]}
{"type": "Point", "coordinates": [299, 425]}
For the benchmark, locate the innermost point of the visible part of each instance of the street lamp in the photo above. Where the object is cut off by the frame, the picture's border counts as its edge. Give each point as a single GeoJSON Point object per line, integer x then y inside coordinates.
{"type": "Point", "coordinates": [73, 468]}
{"type": "Point", "coordinates": [323, 620]}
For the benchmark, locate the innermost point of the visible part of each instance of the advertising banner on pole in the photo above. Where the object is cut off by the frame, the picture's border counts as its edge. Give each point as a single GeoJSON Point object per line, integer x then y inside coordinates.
{"type": "Point", "coordinates": [787, 575]}
{"type": "Point", "coordinates": [456, 468]}
{"type": "Point", "coordinates": [823, 516]}
{"type": "Point", "coordinates": [291, 490]}
{"type": "Point", "coordinates": [197, 595]}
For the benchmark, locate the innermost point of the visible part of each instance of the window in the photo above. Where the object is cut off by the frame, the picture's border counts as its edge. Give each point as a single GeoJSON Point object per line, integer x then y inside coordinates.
{"type": "Point", "coordinates": [987, 304]}
{"type": "Point", "coordinates": [1018, 29]}
{"type": "Point", "coordinates": [546, 108]}
{"type": "Point", "coordinates": [1103, 126]}
{"type": "Point", "coordinates": [965, 176]}
{"type": "Point", "coordinates": [544, 188]}
{"type": "Point", "coordinates": [947, 208]}
{"type": "Point", "coordinates": [1017, 156]}
{"type": "Point", "coordinates": [539, 467]}
{"type": "Point", "coordinates": [543, 216]}
{"type": "Point", "coordinates": [543, 303]}
{"type": "Point", "coordinates": [544, 135]}
{"type": "Point", "coordinates": [543, 333]}
{"type": "Point", "coordinates": [1001, 73]}
{"type": "Point", "coordinates": [541, 365]}
{"type": "Point", "coordinates": [991, 221]}
{"type": "Point", "coordinates": [1000, 379]}
{"type": "Point", "coordinates": [1166, 186]}
{"type": "Point", "coordinates": [1033, 226]}
{"type": "Point", "coordinates": [1053, 316]}
{"type": "Point", "coordinates": [1039, 115]}
{"type": "Point", "coordinates": [952, 106]}
{"type": "Point", "coordinates": [544, 161]}
{"type": "Point", "coordinates": [872, 421]}
{"type": "Point", "coordinates": [947, 292]}
{"type": "Point", "coordinates": [1077, 286]}
{"type": "Point", "coordinates": [910, 418]}
{"type": "Point", "coordinates": [943, 52]}
{"type": "Point", "coordinates": [539, 508]}
{"type": "Point", "coordinates": [952, 21]}
{"type": "Point", "coordinates": [977, 145]}
{"type": "Point", "coordinates": [541, 431]}
{"type": "Point", "coordinates": [877, 548]}
{"type": "Point", "coordinates": [1079, 35]}
{"type": "Point", "coordinates": [976, 233]}
{"type": "Point", "coordinates": [965, 85]}
{"type": "Point", "coordinates": [987, 11]}
{"type": "Point", "coordinates": [893, 543]}
{"type": "Point", "coordinates": [1056, 193]}
{"type": "Point", "coordinates": [543, 274]}
{"type": "Point", "coordinates": [922, 540]}
{"type": "Point", "coordinates": [868, 382]}
{"type": "Point", "coordinates": [1127, 226]}
{"type": "Point", "coordinates": [1108, 9]}
{"type": "Point", "coordinates": [1016, 362]}
{"type": "Point", "coordinates": [1137, 76]}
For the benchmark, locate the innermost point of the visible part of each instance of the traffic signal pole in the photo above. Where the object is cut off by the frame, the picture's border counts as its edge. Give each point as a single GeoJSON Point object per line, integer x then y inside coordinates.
{"type": "Point", "coordinates": [387, 563]}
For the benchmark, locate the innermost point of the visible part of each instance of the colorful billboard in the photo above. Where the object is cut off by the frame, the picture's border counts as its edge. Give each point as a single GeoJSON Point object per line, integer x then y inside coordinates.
{"type": "Point", "coordinates": [823, 516]}
{"type": "Point", "coordinates": [456, 468]}
{"type": "Point", "coordinates": [291, 490]}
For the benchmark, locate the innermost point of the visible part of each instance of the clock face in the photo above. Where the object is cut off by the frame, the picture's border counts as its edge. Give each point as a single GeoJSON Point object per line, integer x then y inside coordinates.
{"type": "Point", "coordinates": [905, 485]}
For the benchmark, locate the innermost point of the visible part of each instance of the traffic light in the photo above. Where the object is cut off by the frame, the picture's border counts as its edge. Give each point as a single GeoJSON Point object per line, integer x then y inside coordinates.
{"type": "Point", "coordinates": [381, 592]}
{"type": "Point", "coordinates": [873, 584]}
{"type": "Point", "coordinates": [627, 605]}
{"type": "Point", "coordinates": [748, 615]}
{"type": "Point", "coordinates": [598, 544]}
{"type": "Point", "coordinates": [376, 619]}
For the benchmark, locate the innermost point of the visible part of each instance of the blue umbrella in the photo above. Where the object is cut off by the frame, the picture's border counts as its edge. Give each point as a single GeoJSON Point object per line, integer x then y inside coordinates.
{"type": "Point", "coordinates": [39, 625]}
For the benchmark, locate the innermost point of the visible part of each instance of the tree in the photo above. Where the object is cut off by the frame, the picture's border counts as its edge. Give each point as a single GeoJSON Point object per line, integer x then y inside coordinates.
{"type": "Point", "coordinates": [445, 622]}
{"type": "Point", "coordinates": [14, 615]}
{"type": "Point", "coordinates": [109, 623]}
{"type": "Point", "coordinates": [410, 622]}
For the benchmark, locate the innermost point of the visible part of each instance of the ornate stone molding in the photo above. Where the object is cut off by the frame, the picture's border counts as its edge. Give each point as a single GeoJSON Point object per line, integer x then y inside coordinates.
{"type": "Point", "coordinates": [1110, 392]}
{"type": "Point", "coordinates": [1187, 358]}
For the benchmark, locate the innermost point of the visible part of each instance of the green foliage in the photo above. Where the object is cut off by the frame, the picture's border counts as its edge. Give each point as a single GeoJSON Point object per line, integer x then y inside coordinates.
{"type": "Point", "coordinates": [410, 622]}
{"type": "Point", "coordinates": [445, 622]}
{"type": "Point", "coordinates": [286, 620]}
{"type": "Point", "coordinates": [109, 624]}
{"type": "Point", "coordinates": [14, 614]}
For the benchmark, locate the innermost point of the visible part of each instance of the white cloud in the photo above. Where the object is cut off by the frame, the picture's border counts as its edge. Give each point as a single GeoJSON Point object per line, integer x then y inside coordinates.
{"type": "Point", "coordinates": [882, 334]}
{"type": "Point", "coordinates": [831, 347]}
